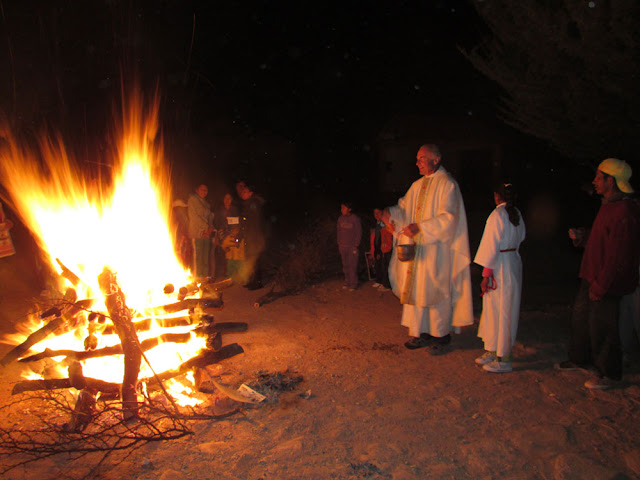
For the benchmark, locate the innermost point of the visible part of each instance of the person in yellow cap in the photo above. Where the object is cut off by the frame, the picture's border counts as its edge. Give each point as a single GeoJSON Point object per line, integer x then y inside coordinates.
{"type": "Point", "coordinates": [609, 270]}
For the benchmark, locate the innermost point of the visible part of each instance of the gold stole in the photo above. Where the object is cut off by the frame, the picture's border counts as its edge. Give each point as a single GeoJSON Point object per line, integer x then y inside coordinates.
{"type": "Point", "coordinates": [406, 294]}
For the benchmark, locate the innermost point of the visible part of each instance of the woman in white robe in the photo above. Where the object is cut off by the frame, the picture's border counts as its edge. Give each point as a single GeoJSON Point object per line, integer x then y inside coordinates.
{"type": "Point", "coordinates": [501, 281]}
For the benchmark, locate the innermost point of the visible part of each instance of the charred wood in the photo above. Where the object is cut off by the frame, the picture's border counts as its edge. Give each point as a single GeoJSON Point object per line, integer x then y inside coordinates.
{"type": "Point", "coordinates": [60, 383]}
{"type": "Point", "coordinates": [68, 274]}
{"type": "Point", "coordinates": [83, 412]}
{"type": "Point", "coordinates": [145, 345]}
{"type": "Point", "coordinates": [145, 325]}
{"type": "Point", "coordinates": [206, 358]}
{"type": "Point", "coordinates": [223, 327]}
{"type": "Point", "coordinates": [121, 317]}
{"type": "Point", "coordinates": [201, 361]}
{"type": "Point", "coordinates": [31, 340]}
{"type": "Point", "coordinates": [191, 303]}
{"type": "Point", "coordinates": [76, 376]}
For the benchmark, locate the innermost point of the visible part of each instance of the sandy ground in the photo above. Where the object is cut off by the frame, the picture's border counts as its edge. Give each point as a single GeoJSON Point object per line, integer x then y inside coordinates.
{"type": "Point", "coordinates": [369, 408]}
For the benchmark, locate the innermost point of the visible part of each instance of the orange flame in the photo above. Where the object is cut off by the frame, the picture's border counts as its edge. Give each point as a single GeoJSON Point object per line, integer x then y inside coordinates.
{"type": "Point", "coordinates": [88, 223]}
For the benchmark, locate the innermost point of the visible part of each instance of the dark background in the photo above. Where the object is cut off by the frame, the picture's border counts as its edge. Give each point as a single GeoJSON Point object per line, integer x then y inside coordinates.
{"type": "Point", "coordinates": [291, 96]}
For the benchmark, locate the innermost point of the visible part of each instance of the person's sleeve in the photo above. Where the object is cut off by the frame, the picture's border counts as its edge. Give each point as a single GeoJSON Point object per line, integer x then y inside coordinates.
{"type": "Point", "coordinates": [489, 247]}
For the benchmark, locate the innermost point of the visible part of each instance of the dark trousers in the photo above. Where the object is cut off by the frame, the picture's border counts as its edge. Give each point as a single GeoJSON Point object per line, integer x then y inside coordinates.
{"type": "Point", "coordinates": [595, 339]}
{"type": "Point", "coordinates": [349, 257]}
{"type": "Point", "coordinates": [382, 268]}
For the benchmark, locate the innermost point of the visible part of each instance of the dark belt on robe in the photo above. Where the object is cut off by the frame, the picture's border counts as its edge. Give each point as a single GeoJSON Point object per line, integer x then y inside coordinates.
{"type": "Point", "coordinates": [509, 250]}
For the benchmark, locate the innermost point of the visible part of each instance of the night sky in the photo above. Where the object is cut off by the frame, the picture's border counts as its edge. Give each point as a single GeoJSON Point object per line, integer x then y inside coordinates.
{"type": "Point", "coordinates": [289, 95]}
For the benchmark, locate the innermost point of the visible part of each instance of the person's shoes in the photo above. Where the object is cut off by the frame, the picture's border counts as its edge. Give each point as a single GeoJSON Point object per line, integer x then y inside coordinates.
{"type": "Point", "coordinates": [351, 289]}
{"type": "Point", "coordinates": [419, 342]}
{"type": "Point", "coordinates": [601, 383]}
{"type": "Point", "coordinates": [375, 285]}
{"type": "Point", "coordinates": [568, 366]}
{"type": "Point", "coordinates": [439, 345]}
{"type": "Point", "coordinates": [498, 367]}
{"type": "Point", "coordinates": [382, 288]}
{"type": "Point", "coordinates": [485, 358]}
{"type": "Point", "coordinates": [344, 287]}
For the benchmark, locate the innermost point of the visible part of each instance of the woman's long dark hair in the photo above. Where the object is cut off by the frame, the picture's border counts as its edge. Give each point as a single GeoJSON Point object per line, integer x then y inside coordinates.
{"type": "Point", "coordinates": [508, 193]}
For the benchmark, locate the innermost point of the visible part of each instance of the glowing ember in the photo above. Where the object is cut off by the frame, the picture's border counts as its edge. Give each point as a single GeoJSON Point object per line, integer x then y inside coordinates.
{"type": "Point", "coordinates": [87, 222]}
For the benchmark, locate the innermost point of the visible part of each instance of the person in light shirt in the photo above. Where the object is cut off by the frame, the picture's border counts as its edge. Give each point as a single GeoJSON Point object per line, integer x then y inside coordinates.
{"type": "Point", "coordinates": [200, 230]}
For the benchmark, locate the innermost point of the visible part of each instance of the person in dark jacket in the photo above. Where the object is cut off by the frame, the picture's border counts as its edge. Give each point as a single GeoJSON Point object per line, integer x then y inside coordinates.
{"type": "Point", "coordinates": [609, 270]}
{"type": "Point", "coordinates": [253, 231]}
{"type": "Point", "coordinates": [349, 231]}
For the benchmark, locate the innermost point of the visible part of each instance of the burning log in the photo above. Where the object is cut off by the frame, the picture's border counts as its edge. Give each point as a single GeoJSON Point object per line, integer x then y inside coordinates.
{"type": "Point", "coordinates": [206, 358]}
{"type": "Point", "coordinates": [145, 325]}
{"type": "Point", "coordinates": [60, 383]}
{"type": "Point", "coordinates": [121, 318]}
{"type": "Point", "coordinates": [62, 315]}
{"type": "Point", "coordinates": [68, 274]}
{"type": "Point", "coordinates": [145, 345]}
{"type": "Point", "coordinates": [201, 361]}
{"type": "Point", "coordinates": [189, 304]}
{"type": "Point", "coordinates": [31, 340]}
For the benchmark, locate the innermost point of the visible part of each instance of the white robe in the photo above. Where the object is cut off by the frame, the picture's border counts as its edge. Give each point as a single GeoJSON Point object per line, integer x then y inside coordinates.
{"type": "Point", "coordinates": [501, 307]}
{"type": "Point", "coordinates": [438, 277]}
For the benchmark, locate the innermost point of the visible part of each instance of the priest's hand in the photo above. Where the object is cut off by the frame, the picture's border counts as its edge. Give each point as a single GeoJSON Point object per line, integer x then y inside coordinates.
{"type": "Point", "coordinates": [411, 230]}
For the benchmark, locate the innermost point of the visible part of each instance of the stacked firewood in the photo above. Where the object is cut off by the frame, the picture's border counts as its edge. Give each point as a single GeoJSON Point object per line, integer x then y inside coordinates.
{"type": "Point", "coordinates": [65, 316]}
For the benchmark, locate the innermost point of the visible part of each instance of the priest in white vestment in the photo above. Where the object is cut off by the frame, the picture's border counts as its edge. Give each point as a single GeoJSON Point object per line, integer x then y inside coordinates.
{"type": "Point", "coordinates": [435, 286]}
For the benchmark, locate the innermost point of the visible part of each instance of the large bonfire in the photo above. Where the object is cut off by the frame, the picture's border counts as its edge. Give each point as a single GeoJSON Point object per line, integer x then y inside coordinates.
{"type": "Point", "coordinates": [114, 221]}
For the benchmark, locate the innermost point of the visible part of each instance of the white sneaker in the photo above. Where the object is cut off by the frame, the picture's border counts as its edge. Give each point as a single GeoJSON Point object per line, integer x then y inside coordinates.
{"type": "Point", "coordinates": [486, 357]}
{"type": "Point", "coordinates": [375, 285]}
{"type": "Point", "coordinates": [382, 288]}
{"type": "Point", "coordinates": [498, 367]}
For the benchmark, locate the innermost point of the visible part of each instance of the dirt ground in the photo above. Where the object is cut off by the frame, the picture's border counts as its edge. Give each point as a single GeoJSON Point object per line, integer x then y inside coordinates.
{"type": "Point", "coordinates": [369, 408]}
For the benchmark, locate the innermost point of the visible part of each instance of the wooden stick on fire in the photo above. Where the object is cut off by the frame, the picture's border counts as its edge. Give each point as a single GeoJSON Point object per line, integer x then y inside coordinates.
{"type": "Point", "coordinates": [200, 361]}
{"type": "Point", "coordinates": [62, 314]}
{"type": "Point", "coordinates": [122, 319]}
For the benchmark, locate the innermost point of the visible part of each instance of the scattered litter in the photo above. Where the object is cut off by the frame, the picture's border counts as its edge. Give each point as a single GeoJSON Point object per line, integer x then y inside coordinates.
{"type": "Point", "coordinates": [306, 395]}
{"type": "Point", "coordinates": [231, 393]}
{"type": "Point", "coordinates": [251, 394]}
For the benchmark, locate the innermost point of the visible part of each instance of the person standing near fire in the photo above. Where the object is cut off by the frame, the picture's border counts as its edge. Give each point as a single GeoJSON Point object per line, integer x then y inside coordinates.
{"type": "Point", "coordinates": [381, 246]}
{"type": "Point", "coordinates": [253, 232]}
{"type": "Point", "coordinates": [349, 230]}
{"type": "Point", "coordinates": [227, 222]}
{"type": "Point", "coordinates": [200, 230]}
{"type": "Point", "coordinates": [434, 286]}
{"type": "Point", "coordinates": [609, 270]}
{"type": "Point", "coordinates": [501, 281]}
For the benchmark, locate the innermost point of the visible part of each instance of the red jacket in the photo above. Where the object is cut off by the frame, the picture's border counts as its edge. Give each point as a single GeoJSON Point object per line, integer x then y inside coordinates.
{"type": "Point", "coordinates": [611, 255]}
{"type": "Point", "coordinates": [386, 240]}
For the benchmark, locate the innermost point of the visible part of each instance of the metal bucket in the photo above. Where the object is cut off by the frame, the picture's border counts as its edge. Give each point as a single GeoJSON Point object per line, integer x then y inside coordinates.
{"type": "Point", "coordinates": [406, 252]}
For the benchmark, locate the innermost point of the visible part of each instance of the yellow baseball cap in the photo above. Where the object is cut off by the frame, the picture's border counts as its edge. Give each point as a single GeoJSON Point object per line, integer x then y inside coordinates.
{"type": "Point", "coordinates": [620, 170]}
